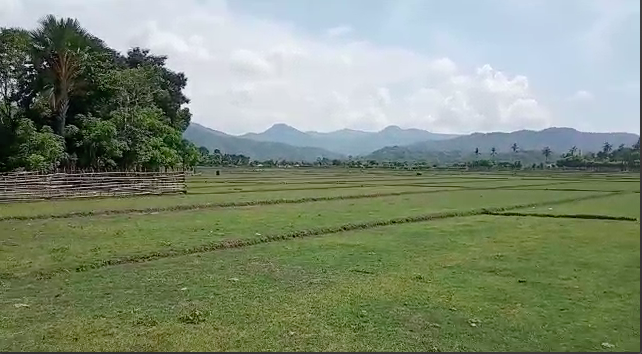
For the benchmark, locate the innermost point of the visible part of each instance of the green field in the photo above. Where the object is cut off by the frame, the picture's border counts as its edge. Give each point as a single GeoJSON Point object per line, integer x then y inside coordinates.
{"type": "Point", "coordinates": [330, 260]}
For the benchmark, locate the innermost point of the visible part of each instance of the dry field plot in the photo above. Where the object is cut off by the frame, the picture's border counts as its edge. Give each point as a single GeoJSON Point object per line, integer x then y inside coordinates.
{"type": "Point", "coordinates": [330, 260]}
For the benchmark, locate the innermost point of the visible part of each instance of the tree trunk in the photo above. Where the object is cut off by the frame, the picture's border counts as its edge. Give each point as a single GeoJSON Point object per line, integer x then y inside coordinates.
{"type": "Point", "coordinates": [61, 120]}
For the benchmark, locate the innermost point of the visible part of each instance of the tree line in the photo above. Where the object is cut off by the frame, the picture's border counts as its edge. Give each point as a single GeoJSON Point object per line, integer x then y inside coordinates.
{"type": "Point", "coordinates": [69, 101]}
{"type": "Point", "coordinates": [623, 158]}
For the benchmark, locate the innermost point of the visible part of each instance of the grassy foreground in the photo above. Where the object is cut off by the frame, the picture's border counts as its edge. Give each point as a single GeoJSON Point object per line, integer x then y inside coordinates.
{"type": "Point", "coordinates": [451, 285]}
{"type": "Point", "coordinates": [41, 245]}
{"type": "Point", "coordinates": [464, 283]}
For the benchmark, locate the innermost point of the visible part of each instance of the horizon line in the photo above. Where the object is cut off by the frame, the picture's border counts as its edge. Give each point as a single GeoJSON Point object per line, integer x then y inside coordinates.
{"type": "Point", "coordinates": [412, 128]}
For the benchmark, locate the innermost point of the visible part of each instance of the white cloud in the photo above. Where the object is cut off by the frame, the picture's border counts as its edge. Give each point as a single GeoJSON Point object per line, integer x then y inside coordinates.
{"type": "Point", "coordinates": [247, 73]}
{"type": "Point", "coordinates": [581, 96]}
{"type": "Point", "coordinates": [338, 31]}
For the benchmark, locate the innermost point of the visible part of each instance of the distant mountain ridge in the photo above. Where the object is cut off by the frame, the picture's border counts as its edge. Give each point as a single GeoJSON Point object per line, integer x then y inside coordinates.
{"type": "Point", "coordinates": [256, 150]}
{"type": "Point", "coordinates": [559, 140]}
{"type": "Point", "coordinates": [393, 143]}
{"type": "Point", "coordinates": [345, 141]}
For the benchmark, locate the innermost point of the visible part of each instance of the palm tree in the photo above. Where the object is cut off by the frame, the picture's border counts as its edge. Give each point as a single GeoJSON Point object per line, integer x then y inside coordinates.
{"type": "Point", "coordinates": [607, 147]}
{"type": "Point", "coordinates": [59, 46]}
{"type": "Point", "coordinates": [493, 152]}
{"type": "Point", "coordinates": [477, 152]}
{"type": "Point", "coordinates": [546, 152]}
{"type": "Point", "coordinates": [514, 147]}
{"type": "Point", "coordinates": [572, 151]}
{"type": "Point", "coordinates": [636, 146]}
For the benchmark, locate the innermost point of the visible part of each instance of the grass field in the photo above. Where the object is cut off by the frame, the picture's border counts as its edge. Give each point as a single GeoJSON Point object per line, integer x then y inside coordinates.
{"type": "Point", "coordinates": [330, 260]}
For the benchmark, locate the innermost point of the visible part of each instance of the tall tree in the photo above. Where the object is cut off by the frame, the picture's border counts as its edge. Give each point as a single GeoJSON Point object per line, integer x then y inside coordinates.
{"type": "Point", "coordinates": [636, 146]}
{"type": "Point", "coordinates": [100, 146]}
{"type": "Point", "coordinates": [169, 97]}
{"type": "Point", "coordinates": [547, 153]}
{"type": "Point", "coordinates": [607, 148]}
{"type": "Point", "coordinates": [572, 151]}
{"type": "Point", "coordinates": [189, 153]}
{"type": "Point", "coordinates": [59, 46]}
{"type": "Point", "coordinates": [515, 148]}
{"type": "Point", "coordinates": [107, 110]}
{"type": "Point", "coordinates": [493, 152]}
{"type": "Point", "coordinates": [477, 152]}
{"type": "Point", "coordinates": [14, 58]}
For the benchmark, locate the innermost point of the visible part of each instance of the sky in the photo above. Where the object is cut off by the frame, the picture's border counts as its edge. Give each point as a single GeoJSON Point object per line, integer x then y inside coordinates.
{"type": "Point", "coordinates": [455, 66]}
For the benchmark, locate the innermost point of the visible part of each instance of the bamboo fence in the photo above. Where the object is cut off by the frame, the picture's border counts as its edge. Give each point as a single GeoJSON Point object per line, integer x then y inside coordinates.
{"type": "Point", "coordinates": [28, 186]}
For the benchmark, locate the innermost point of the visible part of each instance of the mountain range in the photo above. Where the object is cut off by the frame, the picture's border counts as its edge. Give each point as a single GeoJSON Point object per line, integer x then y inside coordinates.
{"type": "Point", "coordinates": [257, 150]}
{"type": "Point", "coordinates": [346, 141]}
{"type": "Point", "coordinates": [559, 140]}
{"type": "Point", "coordinates": [393, 143]}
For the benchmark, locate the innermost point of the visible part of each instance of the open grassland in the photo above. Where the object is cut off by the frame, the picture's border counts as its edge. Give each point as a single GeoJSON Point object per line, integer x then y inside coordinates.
{"type": "Point", "coordinates": [627, 205]}
{"type": "Point", "coordinates": [330, 260]}
{"type": "Point", "coordinates": [605, 185]}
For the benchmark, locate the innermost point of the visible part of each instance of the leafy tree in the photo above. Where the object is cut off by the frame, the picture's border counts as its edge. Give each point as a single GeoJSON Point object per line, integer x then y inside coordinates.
{"type": "Point", "coordinates": [217, 157]}
{"type": "Point", "coordinates": [189, 154]}
{"type": "Point", "coordinates": [108, 111]}
{"type": "Point", "coordinates": [14, 68]}
{"type": "Point", "coordinates": [147, 140]}
{"type": "Point", "coordinates": [169, 97]}
{"type": "Point", "coordinates": [204, 156]}
{"type": "Point", "coordinates": [547, 153]}
{"type": "Point", "coordinates": [100, 147]}
{"type": "Point", "coordinates": [130, 88]}
{"type": "Point", "coordinates": [607, 148]}
{"type": "Point", "coordinates": [481, 164]}
{"type": "Point", "coordinates": [37, 150]}
{"type": "Point", "coordinates": [620, 147]}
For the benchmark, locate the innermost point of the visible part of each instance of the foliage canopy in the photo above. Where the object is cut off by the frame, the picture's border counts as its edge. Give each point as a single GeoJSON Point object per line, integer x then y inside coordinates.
{"type": "Point", "coordinates": [69, 101]}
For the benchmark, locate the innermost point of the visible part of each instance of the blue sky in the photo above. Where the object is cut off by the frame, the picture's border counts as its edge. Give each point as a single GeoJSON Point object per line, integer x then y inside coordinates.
{"type": "Point", "coordinates": [446, 66]}
{"type": "Point", "coordinates": [562, 46]}
{"type": "Point", "coordinates": [543, 38]}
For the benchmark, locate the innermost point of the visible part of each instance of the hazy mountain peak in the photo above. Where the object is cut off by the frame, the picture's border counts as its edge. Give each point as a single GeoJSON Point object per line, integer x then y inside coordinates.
{"type": "Point", "coordinates": [260, 150]}
{"type": "Point", "coordinates": [213, 131]}
{"type": "Point", "coordinates": [561, 129]}
{"type": "Point", "coordinates": [391, 129]}
{"type": "Point", "coordinates": [282, 127]}
{"type": "Point", "coordinates": [345, 141]}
